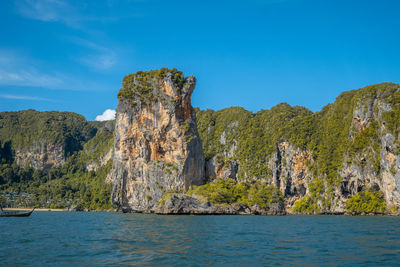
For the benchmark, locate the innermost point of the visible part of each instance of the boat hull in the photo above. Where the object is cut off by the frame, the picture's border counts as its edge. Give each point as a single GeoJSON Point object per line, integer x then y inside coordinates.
{"type": "Point", "coordinates": [15, 213]}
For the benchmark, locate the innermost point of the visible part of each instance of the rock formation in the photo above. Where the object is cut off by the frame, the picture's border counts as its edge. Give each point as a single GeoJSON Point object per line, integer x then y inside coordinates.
{"type": "Point", "coordinates": [41, 156]}
{"type": "Point", "coordinates": [184, 204]}
{"type": "Point", "coordinates": [157, 147]}
{"type": "Point", "coordinates": [376, 165]}
{"type": "Point", "coordinates": [343, 159]}
{"type": "Point", "coordinates": [290, 172]}
{"type": "Point", "coordinates": [60, 151]}
{"type": "Point", "coordinates": [43, 140]}
{"type": "Point", "coordinates": [321, 159]}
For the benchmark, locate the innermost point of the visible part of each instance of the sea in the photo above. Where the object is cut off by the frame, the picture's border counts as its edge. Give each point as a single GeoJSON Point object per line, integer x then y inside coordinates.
{"type": "Point", "coordinates": [117, 239]}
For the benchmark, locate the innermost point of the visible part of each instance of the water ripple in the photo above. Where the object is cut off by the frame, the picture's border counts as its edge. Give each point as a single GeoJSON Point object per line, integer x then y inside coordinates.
{"type": "Point", "coordinates": [103, 239]}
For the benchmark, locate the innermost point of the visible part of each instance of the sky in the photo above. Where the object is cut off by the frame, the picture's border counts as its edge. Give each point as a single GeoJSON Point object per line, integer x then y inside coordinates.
{"type": "Point", "coordinates": [72, 55]}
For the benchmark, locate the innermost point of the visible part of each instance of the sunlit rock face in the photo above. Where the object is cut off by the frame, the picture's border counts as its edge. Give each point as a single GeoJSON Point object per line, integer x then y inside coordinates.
{"type": "Point", "coordinates": [41, 155]}
{"type": "Point", "coordinates": [157, 146]}
{"type": "Point", "coordinates": [319, 161]}
{"type": "Point", "coordinates": [377, 164]}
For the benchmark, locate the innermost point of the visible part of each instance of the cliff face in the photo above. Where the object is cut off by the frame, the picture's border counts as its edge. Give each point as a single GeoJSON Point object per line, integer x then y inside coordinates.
{"type": "Point", "coordinates": [59, 151]}
{"type": "Point", "coordinates": [319, 161]}
{"type": "Point", "coordinates": [156, 147]}
{"type": "Point", "coordinates": [43, 140]}
{"type": "Point", "coordinates": [345, 158]}
{"type": "Point", "coordinates": [183, 204]}
{"type": "Point", "coordinates": [41, 155]}
{"type": "Point", "coordinates": [251, 147]}
{"type": "Point", "coordinates": [375, 165]}
{"type": "Point", "coordinates": [290, 173]}
{"type": "Point", "coordinates": [98, 151]}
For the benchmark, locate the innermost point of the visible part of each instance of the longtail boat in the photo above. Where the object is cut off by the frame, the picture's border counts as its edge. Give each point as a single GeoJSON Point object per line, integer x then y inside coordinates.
{"type": "Point", "coordinates": [15, 213]}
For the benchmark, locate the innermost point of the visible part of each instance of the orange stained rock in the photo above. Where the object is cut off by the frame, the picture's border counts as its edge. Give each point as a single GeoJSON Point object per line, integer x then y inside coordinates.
{"type": "Point", "coordinates": [390, 157]}
{"type": "Point", "coordinates": [167, 89]}
{"type": "Point", "coordinates": [219, 171]}
{"type": "Point", "coordinates": [363, 125]}
{"type": "Point", "coordinates": [300, 162]}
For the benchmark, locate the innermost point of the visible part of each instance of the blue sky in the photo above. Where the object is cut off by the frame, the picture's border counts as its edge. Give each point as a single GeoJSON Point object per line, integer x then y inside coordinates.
{"type": "Point", "coordinates": [71, 55]}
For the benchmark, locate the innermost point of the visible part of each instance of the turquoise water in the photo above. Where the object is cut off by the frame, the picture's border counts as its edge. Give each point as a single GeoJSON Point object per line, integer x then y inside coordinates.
{"type": "Point", "coordinates": [85, 239]}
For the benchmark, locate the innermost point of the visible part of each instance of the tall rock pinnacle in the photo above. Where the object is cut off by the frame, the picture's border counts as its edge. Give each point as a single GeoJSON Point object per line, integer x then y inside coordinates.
{"type": "Point", "coordinates": [157, 146]}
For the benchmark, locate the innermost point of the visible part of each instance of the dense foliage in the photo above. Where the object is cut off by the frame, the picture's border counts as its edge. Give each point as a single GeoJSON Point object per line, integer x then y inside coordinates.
{"type": "Point", "coordinates": [368, 201]}
{"type": "Point", "coordinates": [60, 187]}
{"type": "Point", "coordinates": [141, 85]}
{"type": "Point", "coordinates": [255, 135]}
{"type": "Point", "coordinates": [330, 135]}
{"type": "Point", "coordinates": [27, 128]}
{"type": "Point", "coordinates": [228, 191]}
{"type": "Point", "coordinates": [306, 205]}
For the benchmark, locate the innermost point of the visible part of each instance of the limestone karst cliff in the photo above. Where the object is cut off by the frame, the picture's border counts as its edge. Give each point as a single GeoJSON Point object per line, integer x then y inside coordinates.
{"type": "Point", "coordinates": [157, 147]}
{"type": "Point", "coordinates": [54, 160]}
{"type": "Point", "coordinates": [44, 139]}
{"type": "Point", "coordinates": [342, 159]}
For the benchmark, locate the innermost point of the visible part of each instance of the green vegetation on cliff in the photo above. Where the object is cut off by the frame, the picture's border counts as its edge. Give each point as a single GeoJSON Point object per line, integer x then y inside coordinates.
{"type": "Point", "coordinates": [212, 124]}
{"type": "Point", "coordinates": [346, 134]}
{"type": "Point", "coordinates": [306, 205]}
{"type": "Point", "coordinates": [368, 201]}
{"type": "Point", "coordinates": [28, 128]}
{"type": "Point", "coordinates": [227, 191]}
{"type": "Point", "coordinates": [255, 136]}
{"type": "Point", "coordinates": [330, 136]}
{"type": "Point", "coordinates": [265, 130]}
{"type": "Point", "coordinates": [140, 85]}
{"type": "Point", "coordinates": [61, 186]}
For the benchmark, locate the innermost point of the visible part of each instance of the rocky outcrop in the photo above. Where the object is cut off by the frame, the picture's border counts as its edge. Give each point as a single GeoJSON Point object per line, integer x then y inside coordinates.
{"type": "Point", "coordinates": [219, 168]}
{"type": "Point", "coordinates": [350, 150]}
{"type": "Point", "coordinates": [41, 155]}
{"type": "Point", "coordinates": [184, 204]}
{"type": "Point", "coordinates": [390, 170]}
{"type": "Point", "coordinates": [156, 147]}
{"type": "Point", "coordinates": [323, 159]}
{"type": "Point", "coordinates": [377, 164]}
{"type": "Point", "coordinates": [43, 140]}
{"type": "Point", "coordinates": [94, 165]}
{"type": "Point", "coordinates": [290, 171]}
{"type": "Point", "coordinates": [37, 148]}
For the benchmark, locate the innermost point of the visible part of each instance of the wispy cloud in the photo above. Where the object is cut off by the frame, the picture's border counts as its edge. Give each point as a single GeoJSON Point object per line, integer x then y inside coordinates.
{"type": "Point", "coordinates": [75, 15]}
{"type": "Point", "coordinates": [99, 58]}
{"type": "Point", "coordinates": [65, 12]}
{"type": "Point", "coordinates": [18, 69]}
{"type": "Point", "coordinates": [48, 10]}
{"type": "Point", "coordinates": [24, 97]}
{"type": "Point", "coordinates": [29, 78]}
{"type": "Point", "coordinates": [98, 62]}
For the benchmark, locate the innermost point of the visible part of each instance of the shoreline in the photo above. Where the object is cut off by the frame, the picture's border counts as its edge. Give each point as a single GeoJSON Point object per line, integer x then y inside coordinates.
{"type": "Point", "coordinates": [56, 210]}
{"type": "Point", "coordinates": [36, 209]}
{"type": "Point", "coordinates": [213, 214]}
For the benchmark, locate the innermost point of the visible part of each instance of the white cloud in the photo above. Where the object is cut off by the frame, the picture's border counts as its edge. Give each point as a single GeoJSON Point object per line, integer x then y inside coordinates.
{"type": "Point", "coordinates": [24, 97]}
{"type": "Point", "coordinates": [108, 114]}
